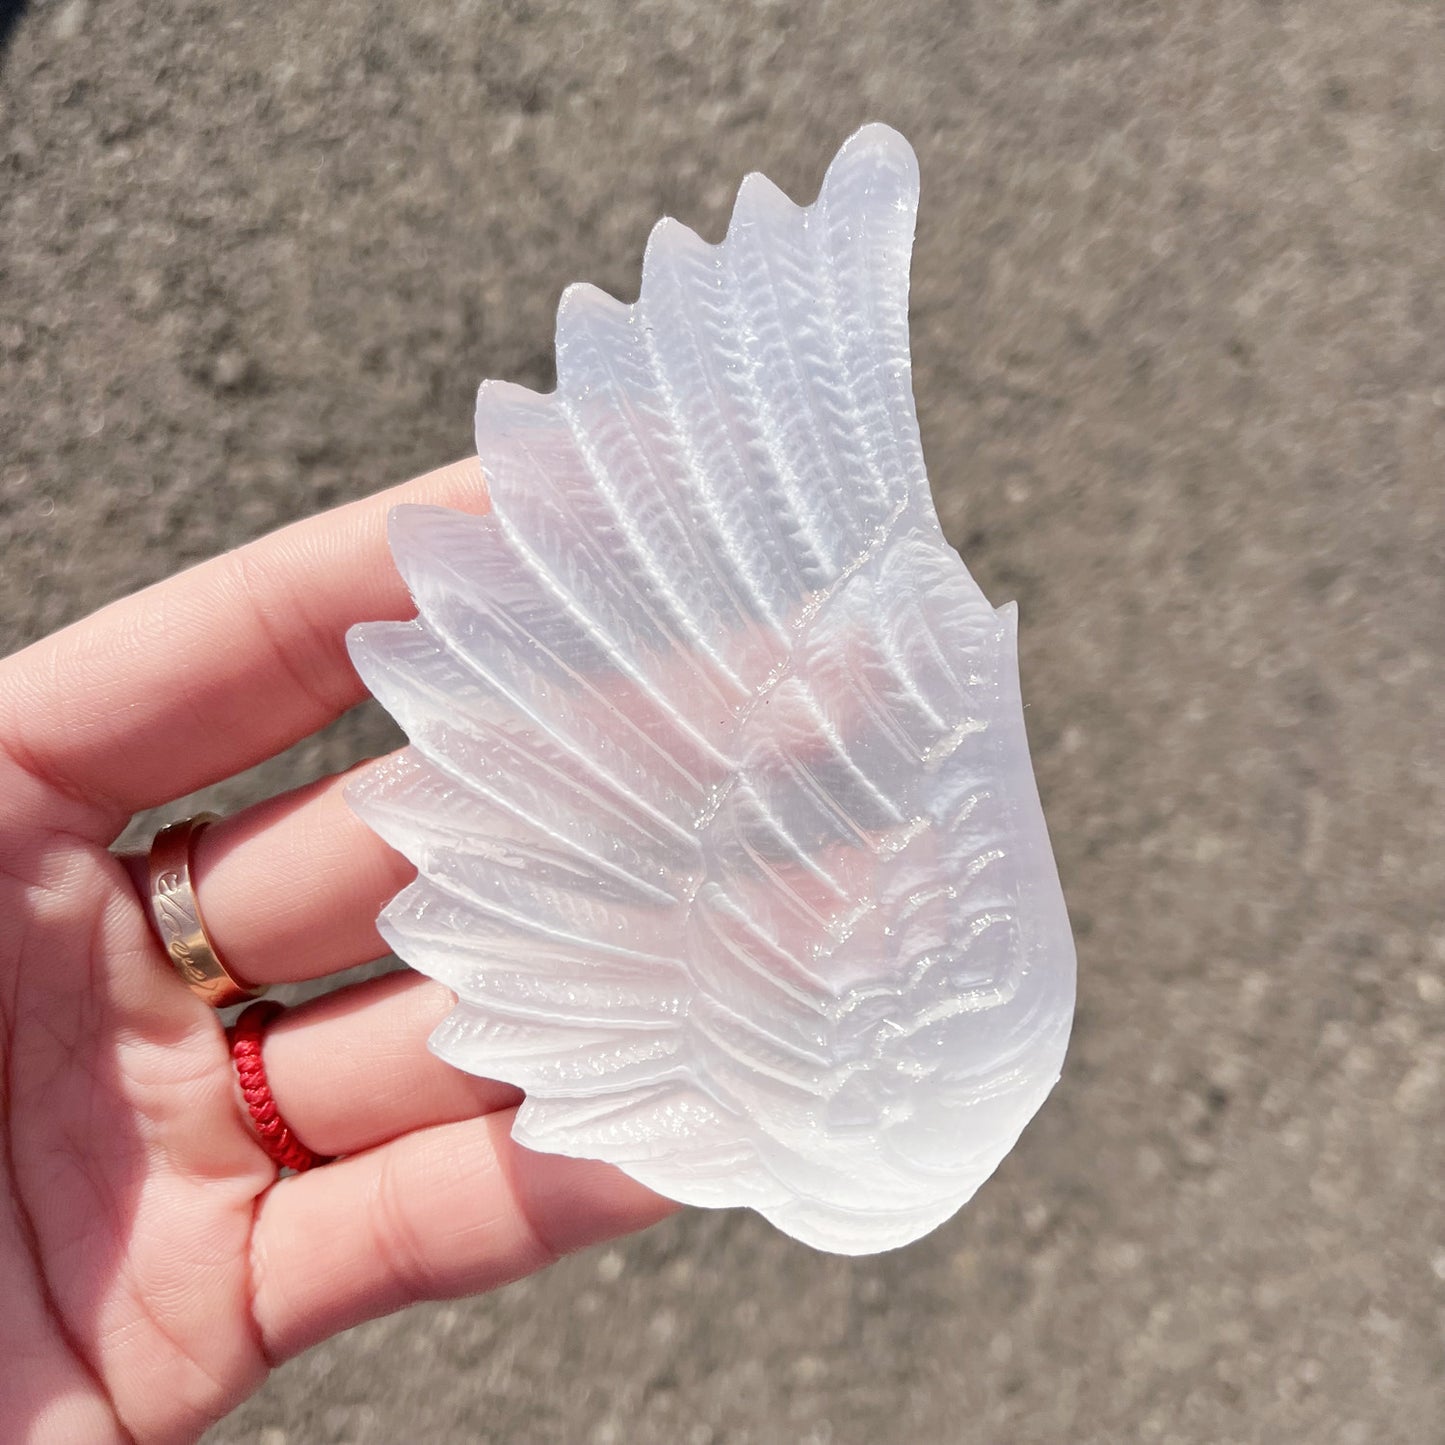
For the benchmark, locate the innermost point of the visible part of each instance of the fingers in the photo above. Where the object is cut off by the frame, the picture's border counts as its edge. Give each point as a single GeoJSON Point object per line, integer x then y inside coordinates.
{"type": "Point", "coordinates": [448, 1211]}
{"type": "Point", "coordinates": [352, 1070]}
{"type": "Point", "coordinates": [290, 888]}
{"type": "Point", "coordinates": [215, 669]}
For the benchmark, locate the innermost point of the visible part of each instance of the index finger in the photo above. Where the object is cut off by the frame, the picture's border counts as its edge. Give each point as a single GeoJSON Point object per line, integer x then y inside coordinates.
{"type": "Point", "coordinates": [452, 1210]}
{"type": "Point", "coordinates": [216, 669]}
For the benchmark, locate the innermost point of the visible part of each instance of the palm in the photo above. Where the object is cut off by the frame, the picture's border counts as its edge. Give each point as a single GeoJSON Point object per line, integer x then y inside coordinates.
{"type": "Point", "coordinates": [133, 1175]}
{"type": "Point", "coordinates": [153, 1268]}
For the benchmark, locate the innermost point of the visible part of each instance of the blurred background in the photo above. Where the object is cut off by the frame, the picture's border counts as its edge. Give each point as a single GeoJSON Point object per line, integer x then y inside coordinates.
{"type": "Point", "coordinates": [1179, 337]}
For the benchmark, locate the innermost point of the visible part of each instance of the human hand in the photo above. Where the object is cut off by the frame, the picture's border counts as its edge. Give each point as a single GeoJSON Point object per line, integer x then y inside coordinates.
{"type": "Point", "coordinates": [154, 1268]}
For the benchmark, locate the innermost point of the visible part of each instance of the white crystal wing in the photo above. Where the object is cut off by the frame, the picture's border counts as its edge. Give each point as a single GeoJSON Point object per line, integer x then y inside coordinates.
{"type": "Point", "coordinates": [718, 790]}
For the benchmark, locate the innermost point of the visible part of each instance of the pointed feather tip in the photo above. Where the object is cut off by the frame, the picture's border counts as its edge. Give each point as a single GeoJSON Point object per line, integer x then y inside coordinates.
{"type": "Point", "coordinates": [1008, 630]}
{"type": "Point", "coordinates": [669, 241]}
{"type": "Point", "coordinates": [758, 196]}
{"type": "Point", "coordinates": [877, 139]}
{"type": "Point", "coordinates": [669, 231]}
{"type": "Point", "coordinates": [424, 537]}
{"type": "Point", "coordinates": [412, 529]}
{"type": "Point", "coordinates": [881, 154]}
{"type": "Point", "coordinates": [581, 297]}
{"type": "Point", "coordinates": [507, 408]}
{"type": "Point", "coordinates": [366, 647]}
{"type": "Point", "coordinates": [365, 791]}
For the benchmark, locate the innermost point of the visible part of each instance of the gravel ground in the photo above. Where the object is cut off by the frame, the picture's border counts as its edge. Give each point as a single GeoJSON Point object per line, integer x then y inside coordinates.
{"type": "Point", "coordinates": [1179, 317]}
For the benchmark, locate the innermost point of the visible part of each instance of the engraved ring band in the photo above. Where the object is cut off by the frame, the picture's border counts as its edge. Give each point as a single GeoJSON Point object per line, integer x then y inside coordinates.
{"type": "Point", "coordinates": [177, 917]}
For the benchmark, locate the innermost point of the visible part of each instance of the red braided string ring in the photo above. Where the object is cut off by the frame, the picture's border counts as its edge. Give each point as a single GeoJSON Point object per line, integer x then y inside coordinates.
{"type": "Point", "coordinates": [273, 1131]}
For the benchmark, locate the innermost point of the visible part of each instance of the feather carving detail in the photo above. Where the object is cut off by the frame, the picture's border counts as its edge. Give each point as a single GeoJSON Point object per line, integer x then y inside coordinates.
{"type": "Point", "coordinates": [718, 788]}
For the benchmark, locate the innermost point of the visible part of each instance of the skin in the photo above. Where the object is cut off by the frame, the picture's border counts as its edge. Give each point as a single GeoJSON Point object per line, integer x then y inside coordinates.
{"type": "Point", "coordinates": [154, 1269]}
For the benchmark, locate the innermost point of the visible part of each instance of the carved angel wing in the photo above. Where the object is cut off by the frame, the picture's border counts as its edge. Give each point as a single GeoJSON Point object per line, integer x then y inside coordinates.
{"type": "Point", "coordinates": [718, 786]}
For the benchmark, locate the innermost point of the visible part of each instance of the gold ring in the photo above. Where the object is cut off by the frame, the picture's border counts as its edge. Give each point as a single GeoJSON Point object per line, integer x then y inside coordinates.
{"type": "Point", "coordinates": [177, 916]}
